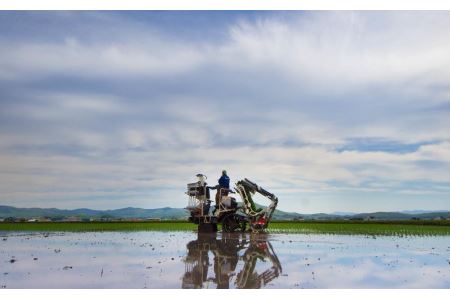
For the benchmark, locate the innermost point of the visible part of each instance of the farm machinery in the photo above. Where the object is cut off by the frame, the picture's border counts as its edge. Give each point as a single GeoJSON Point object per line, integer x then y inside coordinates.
{"type": "Point", "coordinates": [233, 216]}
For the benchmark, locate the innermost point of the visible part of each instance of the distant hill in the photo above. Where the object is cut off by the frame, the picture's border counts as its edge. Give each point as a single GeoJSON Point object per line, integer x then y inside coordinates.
{"type": "Point", "coordinates": [128, 212]}
{"type": "Point", "coordinates": [416, 212]}
{"type": "Point", "coordinates": [343, 213]}
{"type": "Point", "coordinates": [163, 213]}
{"type": "Point", "coordinates": [168, 213]}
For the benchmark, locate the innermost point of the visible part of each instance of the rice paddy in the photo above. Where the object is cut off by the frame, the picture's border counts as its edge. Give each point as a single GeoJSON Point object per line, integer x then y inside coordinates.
{"type": "Point", "coordinates": [98, 226]}
{"type": "Point", "coordinates": [183, 259]}
{"type": "Point", "coordinates": [399, 228]}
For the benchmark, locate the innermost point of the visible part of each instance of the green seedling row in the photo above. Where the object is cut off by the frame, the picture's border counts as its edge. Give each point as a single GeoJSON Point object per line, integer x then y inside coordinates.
{"type": "Point", "coordinates": [98, 226]}
{"type": "Point", "coordinates": [331, 227]}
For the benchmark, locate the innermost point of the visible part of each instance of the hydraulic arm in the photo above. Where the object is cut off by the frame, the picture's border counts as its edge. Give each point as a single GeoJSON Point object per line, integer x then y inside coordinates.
{"type": "Point", "coordinates": [261, 217]}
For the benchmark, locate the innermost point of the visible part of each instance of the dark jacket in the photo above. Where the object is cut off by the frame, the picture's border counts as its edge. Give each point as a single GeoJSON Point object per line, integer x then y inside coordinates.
{"type": "Point", "coordinates": [224, 181]}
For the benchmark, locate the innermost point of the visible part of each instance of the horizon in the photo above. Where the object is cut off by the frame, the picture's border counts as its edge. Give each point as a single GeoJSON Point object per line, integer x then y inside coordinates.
{"type": "Point", "coordinates": [299, 212]}
{"type": "Point", "coordinates": [329, 110]}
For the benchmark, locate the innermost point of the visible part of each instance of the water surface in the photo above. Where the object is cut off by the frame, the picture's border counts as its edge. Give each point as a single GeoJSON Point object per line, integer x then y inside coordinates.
{"type": "Point", "coordinates": [184, 260]}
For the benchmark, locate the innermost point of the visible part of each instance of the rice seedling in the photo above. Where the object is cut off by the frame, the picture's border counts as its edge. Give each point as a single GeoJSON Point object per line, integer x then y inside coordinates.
{"type": "Point", "coordinates": [303, 227]}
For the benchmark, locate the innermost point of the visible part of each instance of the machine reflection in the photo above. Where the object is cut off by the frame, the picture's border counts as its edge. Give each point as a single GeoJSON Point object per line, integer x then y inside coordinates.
{"type": "Point", "coordinates": [238, 260]}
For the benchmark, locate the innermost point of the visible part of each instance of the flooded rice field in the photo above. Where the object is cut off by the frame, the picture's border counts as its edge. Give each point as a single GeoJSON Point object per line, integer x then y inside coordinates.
{"type": "Point", "coordinates": [184, 260]}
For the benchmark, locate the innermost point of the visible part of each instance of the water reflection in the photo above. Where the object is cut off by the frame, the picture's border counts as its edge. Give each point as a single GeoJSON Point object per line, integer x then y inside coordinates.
{"type": "Point", "coordinates": [180, 259]}
{"type": "Point", "coordinates": [234, 258]}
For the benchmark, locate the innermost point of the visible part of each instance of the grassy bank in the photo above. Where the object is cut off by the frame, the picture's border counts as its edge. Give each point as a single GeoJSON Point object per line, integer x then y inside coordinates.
{"type": "Point", "coordinates": [365, 228]}
{"type": "Point", "coordinates": [328, 227]}
{"type": "Point", "coordinates": [99, 226]}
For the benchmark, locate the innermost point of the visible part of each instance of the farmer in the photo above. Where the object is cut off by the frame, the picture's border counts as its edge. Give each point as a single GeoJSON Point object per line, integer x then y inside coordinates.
{"type": "Point", "coordinates": [224, 180]}
{"type": "Point", "coordinates": [223, 187]}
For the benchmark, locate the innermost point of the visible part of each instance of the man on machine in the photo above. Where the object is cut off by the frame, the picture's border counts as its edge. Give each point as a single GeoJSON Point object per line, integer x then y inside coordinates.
{"type": "Point", "coordinates": [224, 186]}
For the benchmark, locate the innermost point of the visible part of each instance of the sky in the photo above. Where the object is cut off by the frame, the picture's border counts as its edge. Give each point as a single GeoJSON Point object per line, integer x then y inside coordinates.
{"type": "Point", "coordinates": [331, 111]}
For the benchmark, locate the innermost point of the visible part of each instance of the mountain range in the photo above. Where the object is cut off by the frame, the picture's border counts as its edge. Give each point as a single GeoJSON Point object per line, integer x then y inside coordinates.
{"type": "Point", "coordinates": [181, 213]}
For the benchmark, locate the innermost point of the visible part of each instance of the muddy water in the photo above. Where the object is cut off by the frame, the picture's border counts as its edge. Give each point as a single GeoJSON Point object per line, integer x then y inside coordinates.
{"type": "Point", "coordinates": [183, 260]}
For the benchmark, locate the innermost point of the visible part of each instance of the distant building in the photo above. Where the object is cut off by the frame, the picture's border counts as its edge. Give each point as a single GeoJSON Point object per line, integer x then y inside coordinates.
{"type": "Point", "coordinates": [32, 220]}
{"type": "Point", "coordinates": [72, 219]}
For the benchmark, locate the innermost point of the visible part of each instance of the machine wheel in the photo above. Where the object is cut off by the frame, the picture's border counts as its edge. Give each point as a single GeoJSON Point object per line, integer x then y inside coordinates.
{"type": "Point", "coordinates": [232, 223]}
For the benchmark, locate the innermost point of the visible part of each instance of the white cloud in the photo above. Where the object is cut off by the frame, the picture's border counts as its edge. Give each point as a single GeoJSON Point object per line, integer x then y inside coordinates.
{"type": "Point", "coordinates": [91, 61]}
{"type": "Point", "coordinates": [140, 112]}
{"type": "Point", "coordinates": [348, 49]}
{"type": "Point", "coordinates": [339, 49]}
{"type": "Point", "coordinates": [280, 169]}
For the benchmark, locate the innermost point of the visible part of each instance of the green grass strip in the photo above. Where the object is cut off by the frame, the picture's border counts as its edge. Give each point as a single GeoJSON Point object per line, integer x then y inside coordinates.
{"type": "Point", "coordinates": [348, 228]}
{"type": "Point", "coordinates": [99, 226]}
{"type": "Point", "coordinates": [359, 228]}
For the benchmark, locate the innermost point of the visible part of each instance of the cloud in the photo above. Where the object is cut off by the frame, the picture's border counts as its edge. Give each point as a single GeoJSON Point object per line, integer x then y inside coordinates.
{"type": "Point", "coordinates": [318, 106]}
{"type": "Point", "coordinates": [116, 60]}
{"type": "Point", "coordinates": [346, 48]}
